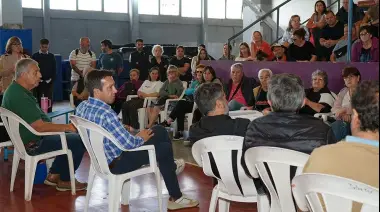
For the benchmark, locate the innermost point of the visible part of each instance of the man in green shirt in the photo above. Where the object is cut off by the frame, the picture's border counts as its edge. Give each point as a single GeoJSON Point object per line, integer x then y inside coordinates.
{"type": "Point", "coordinates": [111, 61]}
{"type": "Point", "coordinates": [19, 99]}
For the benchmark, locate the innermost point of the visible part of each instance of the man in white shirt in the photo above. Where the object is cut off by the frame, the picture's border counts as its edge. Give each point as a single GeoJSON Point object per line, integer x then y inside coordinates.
{"type": "Point", "coordinates": [80, 59]}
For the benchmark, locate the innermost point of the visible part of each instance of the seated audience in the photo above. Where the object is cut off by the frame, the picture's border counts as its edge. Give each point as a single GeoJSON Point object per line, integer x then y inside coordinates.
{"type": "Point", "coordinates": [318, 98]}
{"type": "Point", "coordinates": [102, 93]}
{"type": "Point", "coordinates": [284, 127]}
{"type": "Point", "coordinates": [128, 88]}
{"type": "Point", "coordinates": [212, 103]}
{"type": "Point", "coordinates": [260, 92]}
{"type": "Point", "coordinates": [316, 23]}
{"type": "Point", "coordinates": [342, 105]}
{"type": "Point", "coordinates": [239, 89]}
{"type": "Point", "coordinates": [260, 49]}
{"type": "Point", "coordinates": [209, 75]}
{"type": "Point", "coordinates": [150, 88]}
{"type": "Point", "coordinates": [158, 60]}
{"type": "Point", "coordinates": [171, 89]}
{"type": "Point", "coordinates": [185, 105]}
{"type": "Point", "coordinates": [27, 77]}
{"type": "Point", "coordinates": [245, 53]}
{"type": "Point", "coordinates": [367, 48]}
{"type": "Point", "coordinates": [339, 53]}
{"type": "Point", "coordinates": [331, 34]}
{"type": "Point", "coordinates": [279, 53]}
{"type": "Point", "coordinates": [371, 19]}
{"type": "Point", "coordinates": [227, 50]}
{"type": "Point", "coordinates": [183, 64]}
{"type": "Point", "coordinates": [357, 157]}
{"type": "Point", "coordinates": [79, 91]}
{"type": "Point", "coordinates": [301, 50]}
{"type": "Point", "coordinates": [342, 15]}
{"type": "Point", "coordinates": [139, 59]}
{"type": "Point", "coordinates": [294, 24]}
{"type": "Point", "coordinates": [202, 55]}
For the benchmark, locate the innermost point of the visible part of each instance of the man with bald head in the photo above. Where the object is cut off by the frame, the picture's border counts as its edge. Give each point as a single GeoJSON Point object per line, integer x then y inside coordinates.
{"type": "Point", "coordinates": [80, 59]}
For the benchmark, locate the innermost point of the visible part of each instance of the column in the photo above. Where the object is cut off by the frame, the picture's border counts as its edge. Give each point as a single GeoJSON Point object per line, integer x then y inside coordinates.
{"type": "Point", "coordinates": [204, 35]}
{"type": "Point", "coordinates": [134, 21]}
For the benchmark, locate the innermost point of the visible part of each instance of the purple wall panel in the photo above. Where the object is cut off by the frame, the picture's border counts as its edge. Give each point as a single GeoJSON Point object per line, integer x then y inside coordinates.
{"type": "Point", "coordinates": [304, 70]}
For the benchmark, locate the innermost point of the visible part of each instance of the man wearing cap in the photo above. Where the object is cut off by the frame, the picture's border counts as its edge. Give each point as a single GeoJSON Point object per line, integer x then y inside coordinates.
{"type": "Point", "coordinates": [279, 53]}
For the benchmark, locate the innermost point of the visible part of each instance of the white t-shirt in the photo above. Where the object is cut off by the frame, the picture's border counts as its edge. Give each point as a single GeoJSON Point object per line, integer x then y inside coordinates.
{"type": "Point", "coordinates": [149, 87]}
{"type": "Point", "coordinates": [83, 61]}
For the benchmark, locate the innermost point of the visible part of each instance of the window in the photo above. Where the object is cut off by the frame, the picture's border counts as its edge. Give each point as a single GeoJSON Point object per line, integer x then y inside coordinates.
{"type": "Point", "coordinates": [148, 7]}
{"type": "Point", "coordinates": [37, 4]}
{"type": "Point", "coordinates": [216, 9]}
{"type": "Point", "coordinates": [169, 7]}
{"type": "Point", "coordinates": [63, 5]}
{"type": "Point", "coordinates": [116, 6]}
{"type": "Point", "coordinates": [93, 5]}
{"type": "Point", "coordinates": [191, 8]}
{"type": "Point", "coordinates": [234, 9]}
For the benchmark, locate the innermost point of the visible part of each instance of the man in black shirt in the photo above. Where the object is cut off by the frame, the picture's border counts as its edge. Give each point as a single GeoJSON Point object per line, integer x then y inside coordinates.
{"type": "Point", "coordinates": [331, 34]}
{"type": "Point", "coordinates": [342, 14]}
{"type": "Point", "coordinates": [139, 59]}
{"type": "Point", "coordinates": [47, 64]}
{"type": "Point", "coordinates": [182, 63]}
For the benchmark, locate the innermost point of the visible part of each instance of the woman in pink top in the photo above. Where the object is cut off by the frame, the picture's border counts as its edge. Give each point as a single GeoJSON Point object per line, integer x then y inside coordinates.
{"type": "Point", "coordinates": [342, 106]}
{"type": "Point", "coordinates": [260, 49]}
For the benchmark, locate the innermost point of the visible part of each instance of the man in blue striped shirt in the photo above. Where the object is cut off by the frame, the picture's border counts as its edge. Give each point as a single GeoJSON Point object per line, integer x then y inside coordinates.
{"type": "Point", "coordinates": [97, 109]}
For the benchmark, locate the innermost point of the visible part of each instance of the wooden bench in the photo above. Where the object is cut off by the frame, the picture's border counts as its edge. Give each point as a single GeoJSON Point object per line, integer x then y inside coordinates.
{"type": "Point", "coordinates": [65, 111]}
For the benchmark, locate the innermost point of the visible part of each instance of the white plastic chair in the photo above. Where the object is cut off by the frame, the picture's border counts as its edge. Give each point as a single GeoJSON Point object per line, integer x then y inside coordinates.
{"type": "Point", "coordinates": [143, 119]}
{"type": "Point", "coordinates": [324, 116]}
{"type": "Point", "coordinates": [279, 161]}
{"type": "Point", "coordinates": [338, 193]}
{"type": "Point", "coordinates": [247, 114]}
{"type": "Point", "coordinates": [164, 114]}
{"type": "Point", "coordinates": [92, 136]}
{"type": "Point", "coordinates": [72, 100]}
{"type": "Point", "coordinates": [12, 123]}
{"type": "Point", "coordinates": [220, 158]}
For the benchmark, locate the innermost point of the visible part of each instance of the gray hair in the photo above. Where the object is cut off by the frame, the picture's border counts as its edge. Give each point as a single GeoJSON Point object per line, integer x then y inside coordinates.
{"type": "Point", "coordinates": [205, 96]}
{"type": "Point", "coordinates": [286, 93]}
{"type": "Point", "coordinates": [157, 46]}
{"type": "Point", "coordinates": [22, 66]}
{"type": "Point", "coordinates": [237, 66]}
{"type": "Point", "coordinates": [265, 70]}
{"type": "Point", "coordinates": [322, 74]}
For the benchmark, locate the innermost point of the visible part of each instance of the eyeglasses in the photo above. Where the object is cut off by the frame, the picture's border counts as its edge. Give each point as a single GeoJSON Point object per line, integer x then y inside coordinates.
{"type": "Point", "coordinates": [199, 72]}
{"type": "Point", "coordinates": [364, 34]}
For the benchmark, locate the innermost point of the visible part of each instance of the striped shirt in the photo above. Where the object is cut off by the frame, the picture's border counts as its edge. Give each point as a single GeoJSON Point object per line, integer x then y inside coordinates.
{"type": "Point", "coordinates": [99, 112]}
{"type": "Point", "coordinates": [82, 61]}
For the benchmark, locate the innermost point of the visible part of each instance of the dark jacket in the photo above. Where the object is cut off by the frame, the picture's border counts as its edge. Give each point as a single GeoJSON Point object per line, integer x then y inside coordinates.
{"type": "Point", "coordinates": [140, 61]}
{"type": "Point", "coordinates": [217, 125]}
{"type": "Point", "coordinates": [287, 130]}
{"type": "Point", "coordinates": [247, 86]}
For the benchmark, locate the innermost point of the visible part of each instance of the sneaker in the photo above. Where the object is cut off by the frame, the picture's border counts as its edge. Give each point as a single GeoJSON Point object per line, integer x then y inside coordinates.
{"type": "Point", "coordinates": [52, 179]}
{"type": "Point", "coordinates": [178, 136]}
{"type": "Point", "coordinates": [66, 186]}
{"type": "Point", "coordinates": [180, 163]}
{"type": "Point", "coordinates": [182, 203]}
{"type": "Point", "coordinates": [165, 124]}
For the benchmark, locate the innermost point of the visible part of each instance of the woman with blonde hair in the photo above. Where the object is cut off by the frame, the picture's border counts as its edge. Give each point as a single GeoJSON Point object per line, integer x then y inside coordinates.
{"type": "Point", "coordinates": [13, 53]}
{"type": "Point", "coordinates": [158, 60]}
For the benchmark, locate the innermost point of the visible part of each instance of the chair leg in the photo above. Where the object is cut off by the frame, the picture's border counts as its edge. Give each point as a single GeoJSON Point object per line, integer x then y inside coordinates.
{"type": "Point", "coordinates": [125, 193]}
{"type": "Point", "coordinates": [175, 127]}
{"type": "Point", "coordinates": [91, 178]}
{"type": "Point", "coordinates": [159, 188]}
{"type": "Point", "coordinates": [71, 170]}
{"type": "Point", "coordinates": [142, 118]}
{"type": "Point", "coordinates": [49, 163]}
{"type": "Point", "coordinates": [214, 199]}
{"type": "Point", "coordinates": [224, 205]}
{"type": "Point", "coordinates": [30, 171]}
{"type": "Point", "coordinates": [15, 162]}
{"type": "Point", "coordinates": [263, 203]}
{"type": "Point", "coordinates": [114, 190]}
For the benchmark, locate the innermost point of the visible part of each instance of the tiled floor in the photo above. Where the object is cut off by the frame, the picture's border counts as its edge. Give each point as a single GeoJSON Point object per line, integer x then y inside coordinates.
{"type": "Point", "coordinates": [192, 181]}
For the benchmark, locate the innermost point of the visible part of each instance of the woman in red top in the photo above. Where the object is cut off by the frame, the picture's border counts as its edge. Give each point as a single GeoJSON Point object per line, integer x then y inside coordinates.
{"type": "Point", "coordinates": [258, 45]}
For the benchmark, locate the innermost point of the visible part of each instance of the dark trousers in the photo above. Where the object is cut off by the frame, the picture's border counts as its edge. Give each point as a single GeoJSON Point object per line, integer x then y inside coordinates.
{"type": "Point", "coordinates": [3, 132]}
{"type": "Point", "coordinates": [130, 161]}
{"type": "Point", "coordinates": [61, 165]}
{"type": "Point", "coordinates": [46, 90]}
{"type": "Point", "coordinates": [130, 114]}
{"type": "Point", "coordinates": [180, 111]}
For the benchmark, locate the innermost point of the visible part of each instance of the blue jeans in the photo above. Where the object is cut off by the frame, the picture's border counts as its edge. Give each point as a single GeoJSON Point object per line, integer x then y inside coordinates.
{"type": "Point", "coordinates": [130, 161]}
{"type": "Point", "coordinates": [60, 164]}
{"type": "Point", "coordinates": [341, 129]}
{"type": "Point", "coordinates": [234, 105]}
